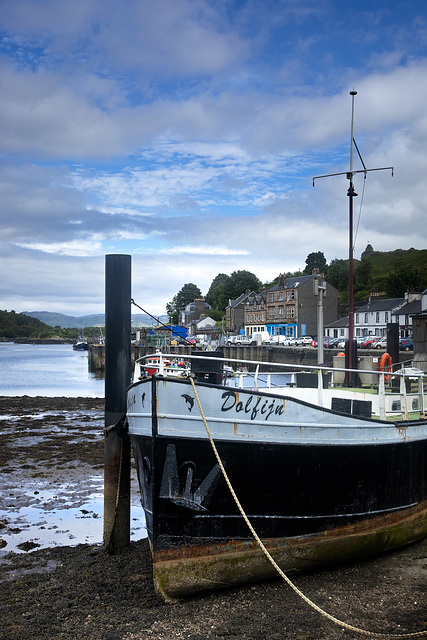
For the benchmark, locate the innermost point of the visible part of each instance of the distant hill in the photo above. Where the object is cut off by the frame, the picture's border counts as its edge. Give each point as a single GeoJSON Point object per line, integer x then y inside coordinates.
{"type": "Point", "coordinates": [80, 322]}
{"type": "Point", "coordinates": [386, 262]}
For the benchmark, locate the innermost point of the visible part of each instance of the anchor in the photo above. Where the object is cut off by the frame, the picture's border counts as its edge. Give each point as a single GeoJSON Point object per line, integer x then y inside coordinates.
{"type": "Point", "coordinates": [183, 496]}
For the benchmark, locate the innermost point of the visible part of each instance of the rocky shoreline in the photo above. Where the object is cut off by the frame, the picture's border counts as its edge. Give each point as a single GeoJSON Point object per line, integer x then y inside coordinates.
{"type": "Point", "coordinates": [71, 592]}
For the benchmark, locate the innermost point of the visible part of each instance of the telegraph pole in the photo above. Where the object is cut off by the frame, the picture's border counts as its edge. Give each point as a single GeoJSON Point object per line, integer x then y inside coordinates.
{"type": "Point", "coordinates": [351, 194]}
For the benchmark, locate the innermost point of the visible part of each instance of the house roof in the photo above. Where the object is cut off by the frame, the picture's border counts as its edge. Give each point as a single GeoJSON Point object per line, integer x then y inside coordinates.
{"type": "Point", "coordinates": [292, 283]}
{"type": "Point", "coordinates": [240, 299]}
{"type": "Point", "coordinates": [410, 307]}
{"type": "Point", "coordinates": [381, 305]}
{"type": "Point", "coordinates": [338, 324]}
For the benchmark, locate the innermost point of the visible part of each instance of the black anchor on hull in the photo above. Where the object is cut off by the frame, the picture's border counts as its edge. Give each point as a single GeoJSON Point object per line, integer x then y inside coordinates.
{"type": "Point", "coordinates": [183, 496]}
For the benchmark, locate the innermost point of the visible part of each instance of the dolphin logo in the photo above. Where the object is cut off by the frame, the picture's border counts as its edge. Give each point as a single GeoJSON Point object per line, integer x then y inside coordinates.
{"type": "Point", "coordinates": [188, 399]}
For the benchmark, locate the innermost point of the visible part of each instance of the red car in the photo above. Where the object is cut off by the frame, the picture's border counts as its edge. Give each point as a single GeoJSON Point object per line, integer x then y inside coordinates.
{"type": "Point", "coordinates": [369, 341]}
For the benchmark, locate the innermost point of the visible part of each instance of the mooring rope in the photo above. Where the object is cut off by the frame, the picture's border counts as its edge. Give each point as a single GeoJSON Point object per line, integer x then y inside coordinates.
{"type": "Point", "coordinates": [312, 604]}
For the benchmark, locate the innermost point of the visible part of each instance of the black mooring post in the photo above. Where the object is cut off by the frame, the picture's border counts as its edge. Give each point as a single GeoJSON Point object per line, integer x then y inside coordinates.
{"type": "Point", "coordinates": [117, 379]}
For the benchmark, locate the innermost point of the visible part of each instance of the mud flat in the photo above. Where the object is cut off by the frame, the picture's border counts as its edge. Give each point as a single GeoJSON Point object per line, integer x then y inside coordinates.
{"type": "Point", "coordinates": [70, 592]}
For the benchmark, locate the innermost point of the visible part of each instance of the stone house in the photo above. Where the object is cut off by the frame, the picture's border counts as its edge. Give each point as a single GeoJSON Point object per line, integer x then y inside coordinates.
{"type": "Point", "coordinates": [235, 313]}
{"type": "Point", "coordinates": [290, 307]}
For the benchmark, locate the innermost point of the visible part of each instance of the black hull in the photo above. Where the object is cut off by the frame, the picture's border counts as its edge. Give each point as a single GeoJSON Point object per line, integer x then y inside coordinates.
{"type": "Point", "coordinates": [286, 491]}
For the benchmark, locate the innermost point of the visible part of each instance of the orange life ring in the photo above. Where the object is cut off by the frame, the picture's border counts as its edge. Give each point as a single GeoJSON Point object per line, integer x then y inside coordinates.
{"type": "Point", "coordinates": [385, 365]}
{"type": "Point", "coordinates": [341, 353]}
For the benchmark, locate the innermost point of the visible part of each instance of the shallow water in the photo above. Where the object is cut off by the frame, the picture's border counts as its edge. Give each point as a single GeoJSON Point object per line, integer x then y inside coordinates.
{"type": "Point", "coordinates": [46, 370]}
{"type": "Point", "coordinates": [49, 498]}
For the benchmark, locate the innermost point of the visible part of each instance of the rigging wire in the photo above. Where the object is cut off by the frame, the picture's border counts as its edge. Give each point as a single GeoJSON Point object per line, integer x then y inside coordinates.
{"type": "Point", "coordinates": [360, 211]}
{"type": "Point", "coordinates": [160, 322]}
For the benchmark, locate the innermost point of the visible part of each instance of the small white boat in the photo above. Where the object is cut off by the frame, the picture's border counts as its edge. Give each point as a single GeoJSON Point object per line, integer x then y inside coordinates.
{"type": "Point", "coordinates": [170, 367]}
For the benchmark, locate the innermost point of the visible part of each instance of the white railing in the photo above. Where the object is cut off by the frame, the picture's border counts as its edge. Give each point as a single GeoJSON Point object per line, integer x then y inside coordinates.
{"type": "Point", "coordinates": [386, 395]}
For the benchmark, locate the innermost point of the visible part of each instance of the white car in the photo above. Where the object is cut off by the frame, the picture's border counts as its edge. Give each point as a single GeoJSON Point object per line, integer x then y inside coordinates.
{"type": "Point", "coordinates": [282, 340]}
{"type": "Point", "coordinates": [244, 341]}
{"type": "Point", "coordinates": [380, 344]}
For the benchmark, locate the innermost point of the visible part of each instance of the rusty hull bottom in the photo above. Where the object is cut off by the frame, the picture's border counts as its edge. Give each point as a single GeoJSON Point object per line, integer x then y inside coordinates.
{"type": "Point", "coordinates": [190, 568]}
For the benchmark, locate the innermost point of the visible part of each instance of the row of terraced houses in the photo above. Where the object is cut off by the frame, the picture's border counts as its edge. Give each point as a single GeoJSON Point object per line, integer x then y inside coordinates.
{"type": "Point", "coordinates": [290, 307]}
{"type": "Point", "coordinates": [287, 308]}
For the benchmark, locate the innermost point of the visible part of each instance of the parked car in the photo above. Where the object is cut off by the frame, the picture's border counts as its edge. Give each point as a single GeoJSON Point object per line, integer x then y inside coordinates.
{"type": "Point", "coordinates": [262, 337]}
{"type": "Point", "coordinates": [333, 344]}
{"type": "Point", "coordinates": [406, 344]}
{"type": "Point", "coordinates": [191, 340]}
{"type": "Point", "coordinates": [369, 341]}
{"type": "Point", "coordinates": [341, 343]}
{"type": "Point", "coordinates": [282, 340]}
{"type": "Point", "coordinates": [381, 343]}
{"type": "Point", "coordinates": [244, 341]}
{"type": "Point", "coordinates": [303, 341]}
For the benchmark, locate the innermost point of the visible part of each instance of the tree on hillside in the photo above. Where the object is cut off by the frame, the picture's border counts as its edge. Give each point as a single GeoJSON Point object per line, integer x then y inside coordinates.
{"type": "Point", "coordinates": [241, 281]}
{"type": "Point", "coordinates": [405, 279]}
{"type": "Point", "coordinates": [363, 275]}
{"type": "Point", "coordinates": [224, 288]}
{"type": "Point", "coordinates": [338, 274]}
{"type": "Point", "coordinates": [187, 294]}
{"type": "Point", "coordinates": [315, 260]}
{"type": "Point", "coordinates": [217, 296]}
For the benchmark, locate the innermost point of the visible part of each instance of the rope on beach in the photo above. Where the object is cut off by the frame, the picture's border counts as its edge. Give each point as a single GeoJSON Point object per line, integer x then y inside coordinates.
{"type": "Point", "coordinates": [312, 604]}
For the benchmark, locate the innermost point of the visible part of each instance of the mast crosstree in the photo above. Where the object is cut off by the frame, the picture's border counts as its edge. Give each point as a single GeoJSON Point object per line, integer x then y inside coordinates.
{"type": "Point", "coordinates": [351, 194]}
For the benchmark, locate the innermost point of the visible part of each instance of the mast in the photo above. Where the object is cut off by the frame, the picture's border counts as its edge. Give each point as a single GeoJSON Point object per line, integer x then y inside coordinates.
{"type": "Point", "coordinates": [351, 194]}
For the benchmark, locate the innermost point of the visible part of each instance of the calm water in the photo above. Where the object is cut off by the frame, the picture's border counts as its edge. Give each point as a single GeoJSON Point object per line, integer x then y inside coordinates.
{"type": "Point", "coordinates": [46, 370]}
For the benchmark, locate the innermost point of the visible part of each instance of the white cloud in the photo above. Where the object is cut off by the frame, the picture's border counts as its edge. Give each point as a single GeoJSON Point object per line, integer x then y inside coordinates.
{"type": "Point", "coordinates": [187, 133]}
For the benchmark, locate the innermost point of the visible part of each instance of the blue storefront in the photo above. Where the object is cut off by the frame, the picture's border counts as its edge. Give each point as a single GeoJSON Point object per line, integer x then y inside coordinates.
{"type": "Point", "coordinates": [290, 330]}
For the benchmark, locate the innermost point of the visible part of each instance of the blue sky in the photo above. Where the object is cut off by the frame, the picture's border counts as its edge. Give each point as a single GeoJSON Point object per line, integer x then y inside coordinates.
{"type": "Point", "coordinates": [187, 132]}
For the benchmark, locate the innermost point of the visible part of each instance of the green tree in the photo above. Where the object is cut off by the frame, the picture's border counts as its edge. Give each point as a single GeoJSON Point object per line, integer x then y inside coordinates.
{"type": "Point", "coordinates": [315, 260]}
{"type": "Point", "coordinates": [405, 279]}
{"type": "Point", "coordinates": [338, 274]}
{"type": "Point", "coordinates": [187, 294]}
{"type": "Point", "coordinates": [241, 281]}
{"type": "Point", "coordinates": [217, 296]}
{"type": "Point", "coordinates": [363, 276]}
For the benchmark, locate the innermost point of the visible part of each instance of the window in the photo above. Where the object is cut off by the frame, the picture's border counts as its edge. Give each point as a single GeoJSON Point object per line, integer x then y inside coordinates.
{"type": "Point", "coordinates": [281, 311]}
{"type": "Point", "coordinates": [292, 312]}
{"type": "Point", "coordinates": [357, 318]}
{"type": "Point", "coordinates": [341, 332]}
{"type": "Point", "coordinates": [386, 316]}
{"type": "Point", "coordinates": [377, 316]}
{"type": "Point", "coordinates": [280, 295]}
{"type": "Point", "coordinates": [271, 314]}
{"type": "Point", "coordinates": [366, 317]}
{"type": "Point", "coordinates": [271, 297]}
{"type": "Point", "coordinates": [290, 295]}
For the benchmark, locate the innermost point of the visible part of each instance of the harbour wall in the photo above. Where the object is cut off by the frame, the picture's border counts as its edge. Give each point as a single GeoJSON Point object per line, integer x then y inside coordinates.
{"type": "Point", "coordinates": [304, 356]}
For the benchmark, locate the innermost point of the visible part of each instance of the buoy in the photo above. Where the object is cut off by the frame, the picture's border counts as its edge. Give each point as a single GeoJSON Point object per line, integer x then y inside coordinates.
{"type": "Point", "coordinates": [385, 365]}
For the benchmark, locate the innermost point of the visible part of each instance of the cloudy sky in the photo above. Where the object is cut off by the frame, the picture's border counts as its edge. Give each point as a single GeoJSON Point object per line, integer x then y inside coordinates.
{"type": "Point", "coordinates": [187, 132]}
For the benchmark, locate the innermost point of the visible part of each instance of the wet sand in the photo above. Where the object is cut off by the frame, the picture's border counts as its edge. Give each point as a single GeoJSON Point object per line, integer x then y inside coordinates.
{"type": "Point", "coordinates": [70, 592]}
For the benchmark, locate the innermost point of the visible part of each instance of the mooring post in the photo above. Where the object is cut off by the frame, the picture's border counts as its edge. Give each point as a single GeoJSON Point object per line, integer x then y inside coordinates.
{"type": "Point", "coordinates": [117, 379]}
